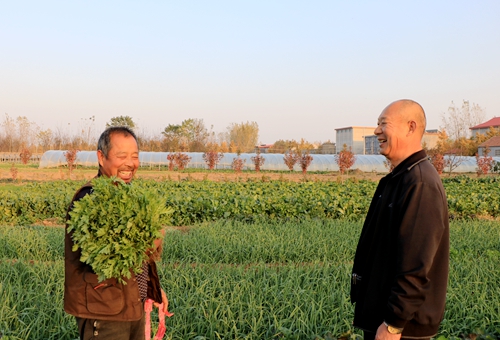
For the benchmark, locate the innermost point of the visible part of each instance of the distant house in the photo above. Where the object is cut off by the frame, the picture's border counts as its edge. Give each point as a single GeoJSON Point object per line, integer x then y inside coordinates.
{"type": "Point", "coordinates": [326, 148]}
{"type": "Point", "coordinates": [484, 127]}
{"type": "Point", "coordinates": [493, 144]}
{"type": "Point", "coordinates": [353, 137]}
{"type": "Point", "coordinates": [263, 148]}
{"type": "Point", "coordinates": [429, 139]}
{"type": "Point", "coordinates": [371, 145]}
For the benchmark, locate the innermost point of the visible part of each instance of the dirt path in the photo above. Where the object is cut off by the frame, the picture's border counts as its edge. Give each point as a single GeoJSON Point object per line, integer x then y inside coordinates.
{"type": "Point", "coordinates": [31, 173]}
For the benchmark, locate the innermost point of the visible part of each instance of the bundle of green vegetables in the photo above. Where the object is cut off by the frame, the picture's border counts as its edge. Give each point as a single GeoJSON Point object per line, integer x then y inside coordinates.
{"type": "Point", "coordinates": [116, 226]}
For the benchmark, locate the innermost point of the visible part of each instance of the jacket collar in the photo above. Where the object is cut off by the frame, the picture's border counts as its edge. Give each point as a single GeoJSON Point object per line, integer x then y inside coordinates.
{"type": "Point", "coordinates": [410, 162]}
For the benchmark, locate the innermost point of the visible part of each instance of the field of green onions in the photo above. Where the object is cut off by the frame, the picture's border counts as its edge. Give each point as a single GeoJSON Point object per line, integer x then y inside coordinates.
{"type": "Point", "coordinates": [240, 280]}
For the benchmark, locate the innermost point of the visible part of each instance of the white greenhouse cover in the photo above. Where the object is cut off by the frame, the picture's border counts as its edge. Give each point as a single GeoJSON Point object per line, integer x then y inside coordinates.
{"type": "Point", "coordinates": [365, 163]}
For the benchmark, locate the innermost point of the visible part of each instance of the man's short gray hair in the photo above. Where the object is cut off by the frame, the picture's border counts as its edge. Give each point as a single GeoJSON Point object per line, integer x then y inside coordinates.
{"type": "Point", "coordinates": [104, 143]}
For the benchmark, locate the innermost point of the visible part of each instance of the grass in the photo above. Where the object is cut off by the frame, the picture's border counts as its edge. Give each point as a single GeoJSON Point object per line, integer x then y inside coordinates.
{"type": "Point", "coordinates": [235, 280]}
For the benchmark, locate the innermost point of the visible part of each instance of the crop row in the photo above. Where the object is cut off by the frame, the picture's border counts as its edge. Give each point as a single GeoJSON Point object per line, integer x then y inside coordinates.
{"type": "Point", "coordinates": [229, 279]}
{"type": "Point", "coordinates": [199, 201]}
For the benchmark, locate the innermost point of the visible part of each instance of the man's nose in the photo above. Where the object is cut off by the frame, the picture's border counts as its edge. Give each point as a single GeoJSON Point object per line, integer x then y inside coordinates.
{"type": "Point", "coordinates": [129, 162]}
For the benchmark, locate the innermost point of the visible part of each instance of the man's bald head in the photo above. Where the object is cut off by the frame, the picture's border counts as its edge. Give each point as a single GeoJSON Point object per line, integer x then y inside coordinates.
{"type": "Point", "coordinates": [410, 110]}
{"type": "Point", "coordinates": [400, 129]}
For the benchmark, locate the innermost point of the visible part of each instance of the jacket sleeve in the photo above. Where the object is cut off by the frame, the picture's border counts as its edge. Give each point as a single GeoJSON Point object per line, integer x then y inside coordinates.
{"type": "Point", "coordinates": [423, 224]}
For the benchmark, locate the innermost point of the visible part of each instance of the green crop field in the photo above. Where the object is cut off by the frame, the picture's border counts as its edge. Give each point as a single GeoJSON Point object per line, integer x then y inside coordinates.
{"type": "Point", "coordinates": [203, 201]}
{"type": "Point", "coordinates": [232, 279]}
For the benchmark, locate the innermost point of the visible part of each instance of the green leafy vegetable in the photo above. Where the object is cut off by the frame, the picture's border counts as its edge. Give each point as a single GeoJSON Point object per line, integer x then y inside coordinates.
{"type": "Point", "coordinates": [115, 226]}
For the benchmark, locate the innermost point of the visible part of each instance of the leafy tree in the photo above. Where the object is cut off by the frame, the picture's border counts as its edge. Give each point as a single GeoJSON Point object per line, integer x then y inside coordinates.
{"type": "Point", "coordinates": [182, 160]}
{"type": "Point", "coordinates": [25, 155]}
{"type": "Point", "coordinates": [345, 159]}
{"type": "Point", "coordinates": [458, 121]}
{"type": "Point", "coordinates": [437, 160]}
{"type": "Point", "coordinates": [291, 158]}
{"type": "Point", "coordinates": [121, 121]}
{"type": "Point", "coordinates": [258, 160]}
{"type": "Point", "coordinates": [238, 163]}
{"type": "Point", "coordinates": [212, 157]}
{"type": "Point", "coordinates": [485, 163]}
{"type": "Point", "coordinates": [305, 145]}
{"type": "Point", "coordinates": [70, 156]}
{"type": "Point", "coordinates": [190, 135]}
{"type": "Point", "coordinates": [171, 161]}
{"type": "Point", "coordinates": [283, 146]}
{"type": "Point", "coordinates": [305, 160]}
{"type": "Point", "coordinates": [244, 135]}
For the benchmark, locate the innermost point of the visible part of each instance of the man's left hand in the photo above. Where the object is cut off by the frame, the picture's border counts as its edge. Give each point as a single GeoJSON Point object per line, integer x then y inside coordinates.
{"type": "Point", "coordinates": [383, 334]}
{"type": "Point", "coordinates": [164, 304]}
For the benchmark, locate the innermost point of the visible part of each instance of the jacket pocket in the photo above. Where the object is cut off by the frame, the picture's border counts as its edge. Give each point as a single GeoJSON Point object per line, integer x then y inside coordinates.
{"type": "Point", "coordinates": [103, 298]}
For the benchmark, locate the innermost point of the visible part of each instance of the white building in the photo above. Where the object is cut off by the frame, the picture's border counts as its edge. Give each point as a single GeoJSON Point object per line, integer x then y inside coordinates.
{"type": "Point", "coordinates": [353, 137]}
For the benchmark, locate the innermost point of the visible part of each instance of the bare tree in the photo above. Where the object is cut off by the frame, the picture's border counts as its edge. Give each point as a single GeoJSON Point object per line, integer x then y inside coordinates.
{"type": "Point", "coordinates": [453, 161]}
{"type": "Point", "coordinates": [24, 132]}
{"type": "Point", "coordinates": [9, 131]}
{"type": "Point", "coordinates": [458, 121]}
{"type": "Point", "coordinates": [45, 139]}
{"type": "Point", "coordinates": [88, 136]}
{"type": "Point", "coordinates": [452, 151]}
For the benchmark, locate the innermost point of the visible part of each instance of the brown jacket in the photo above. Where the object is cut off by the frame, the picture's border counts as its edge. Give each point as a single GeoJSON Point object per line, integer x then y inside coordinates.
{"type": "Point", "coordinates": [86, 297]}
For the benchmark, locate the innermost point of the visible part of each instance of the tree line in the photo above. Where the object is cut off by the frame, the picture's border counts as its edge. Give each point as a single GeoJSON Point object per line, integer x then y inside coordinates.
{"type": "Point", "coordinates": [192, 135]}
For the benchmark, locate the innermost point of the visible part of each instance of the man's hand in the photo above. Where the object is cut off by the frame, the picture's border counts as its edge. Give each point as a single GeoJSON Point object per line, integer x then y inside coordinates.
{"type": "Point", "coordinates": [383, 334]}
{"type": "Point", "coordinates": [164, 304]}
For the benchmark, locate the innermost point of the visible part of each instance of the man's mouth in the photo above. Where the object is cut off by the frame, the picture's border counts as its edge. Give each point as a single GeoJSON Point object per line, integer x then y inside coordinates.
{"type": "Point", "coordinates": [125, 173]}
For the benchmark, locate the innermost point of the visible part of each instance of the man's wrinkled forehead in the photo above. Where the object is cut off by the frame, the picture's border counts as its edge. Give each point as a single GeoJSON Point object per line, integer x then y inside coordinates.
{"type": "Point", "coordinates": [390, 115]}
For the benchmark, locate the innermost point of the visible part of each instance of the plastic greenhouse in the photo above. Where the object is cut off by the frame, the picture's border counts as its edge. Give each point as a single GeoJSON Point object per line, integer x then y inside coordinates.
{"type": "Point", "coordinates": [365, 163]}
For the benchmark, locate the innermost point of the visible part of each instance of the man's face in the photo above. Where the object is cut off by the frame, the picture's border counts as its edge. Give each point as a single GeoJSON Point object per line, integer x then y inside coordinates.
{"type": "Point", "coordinates": [123, 158]}
{"type": "Point", "coordinates": [391, 132]}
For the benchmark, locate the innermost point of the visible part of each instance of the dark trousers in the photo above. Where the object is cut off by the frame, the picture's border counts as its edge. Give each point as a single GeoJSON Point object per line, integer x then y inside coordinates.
{"type": "Point", "coordinates": [114, 330]}
{"type": "Point", "coordinates": [368, 335]}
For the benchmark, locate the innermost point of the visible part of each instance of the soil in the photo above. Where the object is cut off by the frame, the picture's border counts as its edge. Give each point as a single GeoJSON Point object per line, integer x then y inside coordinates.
{"type": "Point", "coordinates": [34, 174]}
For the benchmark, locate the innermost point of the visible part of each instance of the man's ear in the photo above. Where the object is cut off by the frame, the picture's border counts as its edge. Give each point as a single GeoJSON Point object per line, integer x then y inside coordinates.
{"type": "Point", "coordinates": [412, 127]}
{"type": "Point", "coordinates": [100, 157]}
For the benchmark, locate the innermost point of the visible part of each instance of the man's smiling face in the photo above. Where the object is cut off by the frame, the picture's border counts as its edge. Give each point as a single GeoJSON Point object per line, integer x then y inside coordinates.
{"type": "Point", "coordinates": [122, 160]}
{"type": "Point", "coordinates": [391, 133]}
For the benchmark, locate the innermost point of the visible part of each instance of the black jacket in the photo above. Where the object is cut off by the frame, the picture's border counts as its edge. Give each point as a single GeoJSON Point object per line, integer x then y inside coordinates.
{"type": "Point", "coordinates": [400, 270]}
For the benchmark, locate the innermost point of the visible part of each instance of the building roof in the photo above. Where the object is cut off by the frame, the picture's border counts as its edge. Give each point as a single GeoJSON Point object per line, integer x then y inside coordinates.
{"type": "Point", "coordinates": [493, 122]}
{"type": "Point", "coordinates": [492, 142]}
{"type": "Point", "coordinates": [357, 127]}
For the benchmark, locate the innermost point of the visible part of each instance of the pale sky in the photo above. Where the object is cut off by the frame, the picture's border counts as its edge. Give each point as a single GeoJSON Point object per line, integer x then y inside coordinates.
{"type": "Point", "coordinates": [299, 69]}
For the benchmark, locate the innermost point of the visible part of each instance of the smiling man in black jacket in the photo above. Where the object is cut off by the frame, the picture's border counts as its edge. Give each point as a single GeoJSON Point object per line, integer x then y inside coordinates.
{"type": "Point", "coordinates": [400, 270]}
